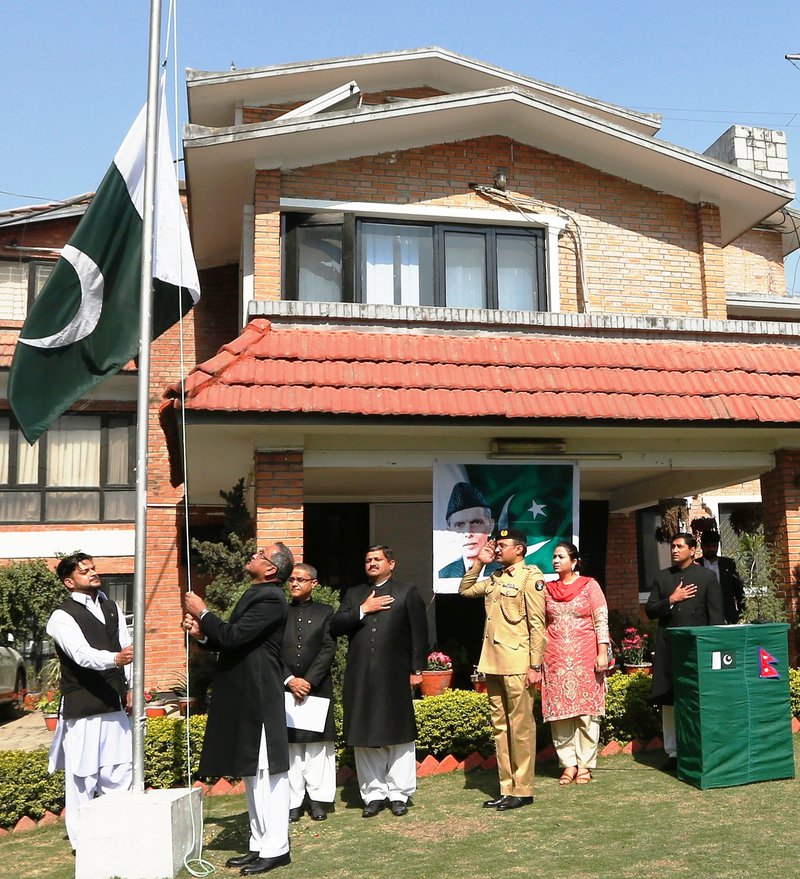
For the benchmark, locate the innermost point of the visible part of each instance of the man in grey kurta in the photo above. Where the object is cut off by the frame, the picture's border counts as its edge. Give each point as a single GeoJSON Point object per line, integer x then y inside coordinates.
{"type": "Point", "coordinates": [388, 631]}
{"type": "Point", "coordinates": [246, 728]}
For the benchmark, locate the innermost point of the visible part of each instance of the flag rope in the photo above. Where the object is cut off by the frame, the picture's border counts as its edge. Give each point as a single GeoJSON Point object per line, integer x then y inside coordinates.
{"type": "Point", "coordinates": [198, 866]}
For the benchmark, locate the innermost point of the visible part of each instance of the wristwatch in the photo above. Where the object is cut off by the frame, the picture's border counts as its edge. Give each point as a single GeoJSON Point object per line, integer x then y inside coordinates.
{"type": "Point", "coordinates": [536, 667]}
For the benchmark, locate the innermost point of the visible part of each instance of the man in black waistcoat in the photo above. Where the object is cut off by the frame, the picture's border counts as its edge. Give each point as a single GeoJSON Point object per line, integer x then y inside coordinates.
{"type": "Point", "coordinates": [93, 742]}
{"type": "Point", "coordinates": [308, 651]}
{"type": "Point", "coordinates": [388, 630]}
{"type": "Point", "coordinates": [683, 595]}
{"type": "Point", "coordinates": [246, 728]}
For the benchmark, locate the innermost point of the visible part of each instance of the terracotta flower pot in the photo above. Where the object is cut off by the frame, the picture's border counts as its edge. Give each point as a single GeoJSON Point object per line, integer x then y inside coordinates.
{"type": "Point", "coordinates": [183, 701]}
{"type": "Point", "coordinates": [51, 721]}
{"type": "Point", "coordinates": [645, 668]}
{"type": "Point", "coordinates": [155, 710]}
{"type": "Point", "coordinates": [434, 683]}
{"type": "Point", "coordinates": [478, 683]}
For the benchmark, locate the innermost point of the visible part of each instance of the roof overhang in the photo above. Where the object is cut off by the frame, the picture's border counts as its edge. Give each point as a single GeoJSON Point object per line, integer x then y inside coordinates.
{"type": "Point", "coordinates": [221, 163]}
{"type": "Point", "coordinates": [213, 96]}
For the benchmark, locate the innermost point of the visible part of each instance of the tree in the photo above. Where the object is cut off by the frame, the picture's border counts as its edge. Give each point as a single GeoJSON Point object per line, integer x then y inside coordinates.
{"type": "Point", "coordinates": [759, 567]}
{"type": "Point", "coordinates": [29, 593]}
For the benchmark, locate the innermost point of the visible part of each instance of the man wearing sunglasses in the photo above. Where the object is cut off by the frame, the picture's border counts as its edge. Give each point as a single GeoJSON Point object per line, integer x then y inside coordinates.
{"type": "Point", "coordinates": [246, 728]}
{"type": "Point", "coordinates": [308, 651]}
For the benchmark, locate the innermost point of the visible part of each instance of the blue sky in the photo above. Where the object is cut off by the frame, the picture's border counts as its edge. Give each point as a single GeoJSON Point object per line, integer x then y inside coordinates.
{"type": "Point", "coordinates": [74, 74]}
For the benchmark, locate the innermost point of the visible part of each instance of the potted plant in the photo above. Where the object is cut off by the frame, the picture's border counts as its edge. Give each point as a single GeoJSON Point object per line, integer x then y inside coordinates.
{"type": "Point", "coordinates": [478, 679]}
{"type": "Point", "coordinates": [182, 697]}
{"type": "Point", "coordinates": [438, 676]}
{"type": "Point", "coordinates": [49, 704]}
{"type": "Point", "coordinates": [634, 650]}
{"type": "Point", "coordinates": [154, 704]}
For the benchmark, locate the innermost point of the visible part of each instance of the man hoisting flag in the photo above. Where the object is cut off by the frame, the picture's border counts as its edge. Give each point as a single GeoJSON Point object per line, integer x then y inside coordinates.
{"type": "Point", "coordinates": [84, 326]}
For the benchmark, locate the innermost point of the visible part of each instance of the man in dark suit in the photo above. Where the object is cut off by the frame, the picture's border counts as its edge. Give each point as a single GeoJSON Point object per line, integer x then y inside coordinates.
{"type": "Point", "coordinates": [308, 651]}
{"type": "Point", "coordinates": [684, 594]}
{"type": "Point", "coordinates": [246, 728]}
{"type": "Point", "coordinates": [388, 631]}
{"type": "Point", "coordinates": [724, 569]}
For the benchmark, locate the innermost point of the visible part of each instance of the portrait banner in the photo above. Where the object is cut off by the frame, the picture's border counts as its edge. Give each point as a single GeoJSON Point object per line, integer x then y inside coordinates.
{"type": "Point", "coordinates": [472, 500]}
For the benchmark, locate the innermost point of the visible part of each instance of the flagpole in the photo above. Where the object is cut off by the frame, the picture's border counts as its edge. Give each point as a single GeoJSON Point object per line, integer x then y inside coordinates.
{"type": "Point", "coordinates": [143, 408]}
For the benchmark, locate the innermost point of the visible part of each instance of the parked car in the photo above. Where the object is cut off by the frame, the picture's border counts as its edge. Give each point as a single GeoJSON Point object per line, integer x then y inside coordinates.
{"type": "Point", "coordinates": [12, 677]}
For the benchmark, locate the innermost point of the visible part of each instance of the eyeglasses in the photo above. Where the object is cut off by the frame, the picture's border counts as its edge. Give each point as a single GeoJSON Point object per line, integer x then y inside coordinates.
{"type": "Point", "coordinates": [299, 579]}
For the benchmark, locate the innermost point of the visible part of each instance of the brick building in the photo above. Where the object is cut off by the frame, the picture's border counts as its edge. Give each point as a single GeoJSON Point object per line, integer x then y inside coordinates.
{"type": "Point", "coordinates": [413, 258]}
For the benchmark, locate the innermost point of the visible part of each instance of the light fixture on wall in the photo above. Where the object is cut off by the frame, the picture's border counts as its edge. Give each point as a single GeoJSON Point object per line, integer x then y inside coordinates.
{"type": "Point", "coordinates": [523, 446]}
{"type": "Point", "coordinates": [501, 179]}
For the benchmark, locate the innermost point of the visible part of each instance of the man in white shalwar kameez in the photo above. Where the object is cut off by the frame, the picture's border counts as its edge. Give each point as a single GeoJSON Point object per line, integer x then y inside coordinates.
{"type": "Point", "coordinates": [93, 741]}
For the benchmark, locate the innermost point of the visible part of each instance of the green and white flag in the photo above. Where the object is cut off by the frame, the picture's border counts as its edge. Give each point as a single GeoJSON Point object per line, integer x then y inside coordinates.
{"type": "Point", "coordinates": [84, 325]}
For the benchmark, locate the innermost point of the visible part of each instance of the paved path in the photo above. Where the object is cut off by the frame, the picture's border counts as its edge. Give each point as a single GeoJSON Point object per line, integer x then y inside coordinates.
{"type": "Point", "coordinates": [25, 732]}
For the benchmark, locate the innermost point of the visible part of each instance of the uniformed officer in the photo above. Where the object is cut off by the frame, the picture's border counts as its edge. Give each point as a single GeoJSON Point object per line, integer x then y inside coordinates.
{"type": "Point", "coordinates": [308, 652]}
{"type": "Point", "coordinates": [511, 658]}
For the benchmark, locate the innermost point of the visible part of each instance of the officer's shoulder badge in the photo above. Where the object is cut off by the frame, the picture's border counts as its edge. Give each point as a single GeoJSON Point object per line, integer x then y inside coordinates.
{"type": "Point", "coordinates": [539, 585]}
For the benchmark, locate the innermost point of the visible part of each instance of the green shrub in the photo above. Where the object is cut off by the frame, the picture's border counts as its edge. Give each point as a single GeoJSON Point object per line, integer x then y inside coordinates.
{"type": "Point", "coordinates": [457, 723]}
{"type": "Point", "coordinates": [629, 714]}
{"type": "Point", "coordinates": [165, 750]}
{"type": "Point", "coordinates": [26, 787]}
{"type": "Point", "coordinates": [794, 690]}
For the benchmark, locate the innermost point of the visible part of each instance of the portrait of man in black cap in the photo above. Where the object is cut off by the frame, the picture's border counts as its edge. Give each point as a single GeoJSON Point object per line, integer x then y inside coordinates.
{"type": "Point", "coordinates": [470, 517]}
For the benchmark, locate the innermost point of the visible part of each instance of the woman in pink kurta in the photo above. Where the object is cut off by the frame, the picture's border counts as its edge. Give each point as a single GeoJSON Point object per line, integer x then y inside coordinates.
{"type": "Point", "coordinates": [575, 662]}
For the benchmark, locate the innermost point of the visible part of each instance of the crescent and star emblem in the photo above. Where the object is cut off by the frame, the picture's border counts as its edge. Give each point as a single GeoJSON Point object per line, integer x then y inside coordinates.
{"type": "Point", "coordinates": [88, 314]}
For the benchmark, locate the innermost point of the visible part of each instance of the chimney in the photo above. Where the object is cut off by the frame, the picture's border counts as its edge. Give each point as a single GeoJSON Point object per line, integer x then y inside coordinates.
{"type": "Point", "coordinates": [761, 151]}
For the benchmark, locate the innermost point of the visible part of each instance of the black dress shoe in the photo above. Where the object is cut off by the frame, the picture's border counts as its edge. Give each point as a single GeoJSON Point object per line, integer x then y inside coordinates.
{"type": "Point", "coordinates": [317, 810]}
{"type": "Point", "coordinates": [242, 860]}
{"type": "Point", "coordinates": [296, 814]}
{"type": "Point", "coordinates": [263, 865]}
{"type": "Point", "coordinates": [514, 803]}
{"type": "Point", "coordinates": [493, 804]}
{"type": "Point", "coordinates": [671, 765]}
{"type": "Point", "coordinates": [398, 807]}
{"type": "Point", "coordinates": [372, 809]}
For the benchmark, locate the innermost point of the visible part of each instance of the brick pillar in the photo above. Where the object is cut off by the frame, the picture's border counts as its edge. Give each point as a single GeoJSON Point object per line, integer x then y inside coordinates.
{"type": "Point", "coordinates": [712, 267]}
{"type": "Point", "coordinates": [780, 506]}
{"type": "Point", "coordinates": [622, 565]}
{"type": "Point", "coordinates": [279, 499]}
{"type": "Point", "coordinates": [267, 249]}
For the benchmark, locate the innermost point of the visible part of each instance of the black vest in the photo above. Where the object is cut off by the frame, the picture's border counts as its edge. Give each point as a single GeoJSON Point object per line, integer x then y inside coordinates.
{"type": "Point", "coordinates": [85, 691]}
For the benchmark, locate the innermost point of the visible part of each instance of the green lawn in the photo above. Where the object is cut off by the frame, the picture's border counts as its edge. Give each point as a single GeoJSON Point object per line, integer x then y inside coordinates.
{"type": "Point", "coordinates": [631, 822]}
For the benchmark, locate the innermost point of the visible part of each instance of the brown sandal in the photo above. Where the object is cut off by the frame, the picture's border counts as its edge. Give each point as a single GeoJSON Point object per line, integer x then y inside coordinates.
{"type": "Point", "coordinates": [568, 775]}
{"type": "Point", "coordinates": [583, 776]}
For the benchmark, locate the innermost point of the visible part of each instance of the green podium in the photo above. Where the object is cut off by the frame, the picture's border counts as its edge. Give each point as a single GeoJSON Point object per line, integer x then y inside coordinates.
{"type": "Point", "coordinates": [732, 709]}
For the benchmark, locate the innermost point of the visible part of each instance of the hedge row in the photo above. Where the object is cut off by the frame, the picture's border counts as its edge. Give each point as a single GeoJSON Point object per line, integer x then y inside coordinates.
{"type": "Point", "coordinates": [457, 722]}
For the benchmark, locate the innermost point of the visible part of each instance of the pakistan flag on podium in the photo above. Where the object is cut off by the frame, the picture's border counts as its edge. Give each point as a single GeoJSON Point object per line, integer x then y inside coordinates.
{"type": "Point", "coordinates": [84, 325]}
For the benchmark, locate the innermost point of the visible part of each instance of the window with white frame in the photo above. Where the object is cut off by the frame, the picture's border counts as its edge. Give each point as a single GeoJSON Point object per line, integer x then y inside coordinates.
{"type": "Point", "coordinates": [20, 284]}
{"type": "Point", "coordinates": [80, 470]}
{"type": "Point", "coordinates": [339, 257]}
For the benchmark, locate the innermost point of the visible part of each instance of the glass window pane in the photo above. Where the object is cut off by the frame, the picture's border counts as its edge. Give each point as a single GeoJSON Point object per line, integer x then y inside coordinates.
{"type": "Point", "coordinates": [73, 451]}
{"type": "Point", "coordinates": [120, 506]}
{"type": "Point", "coordinates": [465, 270]}
{"type": "Point", "coordinates": [20, 506]}
{"type": "Point", "coordinates": [42, 272]}
{"type": "Point", "coordinates": [5, 447]}
{"type": "Point", "coordinates": [72, 506]}
{"type": "Point", "coordinates": [13, 290]}
{"type": "Point", "coordinates": [118, 452]}
{"type": "Point", "coordinates": [397, 264]}
{"type": "Point", "coordinates": [319, 256]}
{"type": "Point", "coordinates": [516, 272]}
{"type": "Point", "coordinates": [27, 461]}
{"type": "Point", "coordinates": [119, 588]}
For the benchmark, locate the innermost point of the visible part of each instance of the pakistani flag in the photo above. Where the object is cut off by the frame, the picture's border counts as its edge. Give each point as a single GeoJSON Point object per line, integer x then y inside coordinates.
{"type": "Point", "coordinates": [84, 326]}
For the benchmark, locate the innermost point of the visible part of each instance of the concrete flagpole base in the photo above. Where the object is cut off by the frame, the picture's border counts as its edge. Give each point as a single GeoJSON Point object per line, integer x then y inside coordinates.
{"type": "Point", "coordinates": [139, 835]}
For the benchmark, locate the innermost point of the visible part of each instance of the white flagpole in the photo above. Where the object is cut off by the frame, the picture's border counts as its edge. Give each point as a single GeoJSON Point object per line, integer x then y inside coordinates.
{"type": "Point", "coordinates": [143, 408]}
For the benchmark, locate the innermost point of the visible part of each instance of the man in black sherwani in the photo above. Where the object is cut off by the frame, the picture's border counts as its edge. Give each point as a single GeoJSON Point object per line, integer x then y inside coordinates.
{"type": "Point", "coordinates": [388, 631]}
{"type": "Point", "coordinates": [246, 727]}
{"type": "Point", "coordinates": [684, 594]}
{"type": "Point", "coordinates": [308, 652]}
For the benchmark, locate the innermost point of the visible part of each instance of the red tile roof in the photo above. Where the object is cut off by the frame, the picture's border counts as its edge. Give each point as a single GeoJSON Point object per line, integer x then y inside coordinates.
{"type": "Point", "coordinates": [278, 369]}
